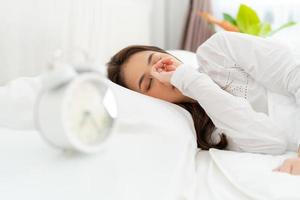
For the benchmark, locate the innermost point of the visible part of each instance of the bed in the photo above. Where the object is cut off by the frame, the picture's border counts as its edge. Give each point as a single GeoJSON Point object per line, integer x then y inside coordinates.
{"type": "Point", "coordinates": [32, 170]}
{"type": "Point", "coordinates": [152, 155]}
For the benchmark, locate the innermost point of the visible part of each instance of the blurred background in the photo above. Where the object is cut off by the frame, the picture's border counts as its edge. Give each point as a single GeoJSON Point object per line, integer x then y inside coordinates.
{"type": "Point", "coordinates": [31, 30]}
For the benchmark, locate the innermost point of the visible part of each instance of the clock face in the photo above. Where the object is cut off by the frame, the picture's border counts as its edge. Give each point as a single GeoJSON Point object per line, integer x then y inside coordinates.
{"type": "Point", "coordinates": [88, 119]}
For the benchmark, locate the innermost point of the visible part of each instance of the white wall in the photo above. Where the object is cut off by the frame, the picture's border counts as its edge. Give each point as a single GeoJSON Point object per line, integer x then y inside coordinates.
{"type": "Point", "coordinates": [31, 30]}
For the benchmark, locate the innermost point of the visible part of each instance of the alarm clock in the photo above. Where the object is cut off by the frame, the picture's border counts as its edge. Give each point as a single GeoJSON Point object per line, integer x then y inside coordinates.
{"type": "Point", "coordinates": [75, 110]}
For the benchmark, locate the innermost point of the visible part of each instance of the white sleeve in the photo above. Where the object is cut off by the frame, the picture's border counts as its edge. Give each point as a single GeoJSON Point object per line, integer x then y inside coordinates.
{"type": "Point", "coordinates": [270, 63]}
{"type": "Point", "coordinates": [248, 130]}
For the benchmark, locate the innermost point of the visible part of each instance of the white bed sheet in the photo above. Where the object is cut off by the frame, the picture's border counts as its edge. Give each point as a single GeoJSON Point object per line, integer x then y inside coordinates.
{"type": "Point", "coordinates": [132, 169]}
{"type": "Point", "coordinates": [30, 169]}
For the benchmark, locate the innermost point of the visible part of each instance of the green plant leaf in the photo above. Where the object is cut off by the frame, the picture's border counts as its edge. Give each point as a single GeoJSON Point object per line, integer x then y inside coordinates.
{"type": "Point", "coordinates": [229, 18]}
{"type": "Point", "coordinates": [288, 24]}
{"type": "Point", "coordinates": [254, 29]}
{"type": "Point", "coordinates": [247, 20]}
{"type": "Point", "coordinates": [265, 29]}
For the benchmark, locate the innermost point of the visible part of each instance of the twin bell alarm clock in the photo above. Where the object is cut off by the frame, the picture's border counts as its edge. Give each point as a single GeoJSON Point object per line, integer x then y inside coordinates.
{"type": "Point", "coordinates": [75, 110]}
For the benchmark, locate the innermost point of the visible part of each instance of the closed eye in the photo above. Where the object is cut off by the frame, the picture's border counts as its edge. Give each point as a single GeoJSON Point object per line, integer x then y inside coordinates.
{"type": "Point", "coordinates": [150, 83]}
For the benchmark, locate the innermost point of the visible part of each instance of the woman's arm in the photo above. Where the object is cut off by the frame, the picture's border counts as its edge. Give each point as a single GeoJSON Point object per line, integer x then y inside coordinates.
{"type": "Point", "coordinates": [246, 129]}
{"type": "Point", "coordinates": [270, 63]}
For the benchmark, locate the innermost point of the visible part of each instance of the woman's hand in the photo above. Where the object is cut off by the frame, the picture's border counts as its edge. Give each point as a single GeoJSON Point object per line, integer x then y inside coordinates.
{"type": "Point", "coordinates": [163, 70]}
{"type": "Point", "coordinates": [291, 166]}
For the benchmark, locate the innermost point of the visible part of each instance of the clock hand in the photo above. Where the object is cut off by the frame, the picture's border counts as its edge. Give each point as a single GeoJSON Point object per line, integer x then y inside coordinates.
{"type": "Point", "coordinates": [95, 124]}
{"type": "Point", "coordinates": [86, 114]}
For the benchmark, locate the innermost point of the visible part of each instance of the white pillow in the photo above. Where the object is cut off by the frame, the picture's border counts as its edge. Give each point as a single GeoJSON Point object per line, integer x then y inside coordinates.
{"type": "Point", "coordinates": [158, 145]}
{"type": "Point", "coordinates": [17, 97]}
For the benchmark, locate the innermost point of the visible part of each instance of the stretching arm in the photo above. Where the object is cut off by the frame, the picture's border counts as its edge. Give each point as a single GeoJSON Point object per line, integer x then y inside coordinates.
{"type": "Point", "coordinates": [246, 129]}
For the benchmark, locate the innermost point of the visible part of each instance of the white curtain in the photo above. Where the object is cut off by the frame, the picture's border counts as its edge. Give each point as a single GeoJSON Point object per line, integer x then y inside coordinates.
{"type": "Point", "coordinates": [31, 30]}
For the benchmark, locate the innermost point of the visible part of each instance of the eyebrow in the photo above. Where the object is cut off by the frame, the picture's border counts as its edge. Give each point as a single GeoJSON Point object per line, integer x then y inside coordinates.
{"type": "Point", "coordinates": [143, 76]}
{"type": "Point", "coordinates": [150, 58]}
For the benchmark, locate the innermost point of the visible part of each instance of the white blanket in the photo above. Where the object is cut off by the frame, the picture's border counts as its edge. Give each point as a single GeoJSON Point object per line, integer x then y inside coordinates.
{"type": "Point", "coordinates": [233, 175]}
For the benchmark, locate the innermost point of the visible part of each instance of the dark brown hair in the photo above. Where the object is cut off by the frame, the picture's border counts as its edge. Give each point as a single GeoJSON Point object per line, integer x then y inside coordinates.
{"type": "Point", "coordinates": [202, 123]}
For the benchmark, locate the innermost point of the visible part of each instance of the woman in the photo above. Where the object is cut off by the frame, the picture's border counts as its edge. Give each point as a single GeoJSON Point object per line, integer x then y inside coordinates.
{"type": "Point", "coordinates": [227, 96]}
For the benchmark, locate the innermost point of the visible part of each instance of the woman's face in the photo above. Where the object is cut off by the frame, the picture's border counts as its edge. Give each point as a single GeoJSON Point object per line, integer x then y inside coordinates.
{"type": "Point", "coordinates": [137, 77]}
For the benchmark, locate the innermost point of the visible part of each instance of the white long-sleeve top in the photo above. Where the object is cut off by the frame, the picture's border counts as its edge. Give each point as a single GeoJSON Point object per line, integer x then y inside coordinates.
{"type": "Point", "coordinates": [250, 67]}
